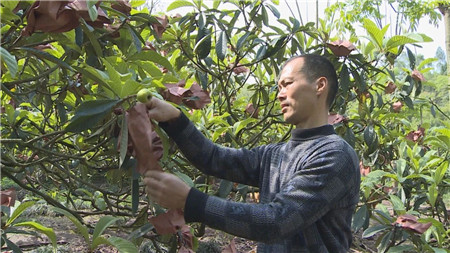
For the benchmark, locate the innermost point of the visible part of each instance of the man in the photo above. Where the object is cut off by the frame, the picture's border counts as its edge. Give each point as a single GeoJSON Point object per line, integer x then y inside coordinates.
{"type": "Point", "coordinates": [309, 186]}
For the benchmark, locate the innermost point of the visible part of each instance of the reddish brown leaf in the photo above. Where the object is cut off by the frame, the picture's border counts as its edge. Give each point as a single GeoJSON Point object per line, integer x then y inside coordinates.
{"type": "Point", "coordinates": [140, 133]}
{"type": "Point", "coordinates": [185, 250]}
{"type": "Point", "coordinates": [149, 46]}
{"type": "Point", "coordinates": [334, 118]}
{"type": "Point", "coordinates": [364, 170]}
{"type": "Point", "coordinates": [187, 241]}
{"type": "Point", "coordinates": [199, 97]}
{"type": "Point", "coordinates": [390, 88]}
{"type": "Point", "coordinates": [417, 135]}
{"type": "Point", "coordinates": [161, 26]}
{"type": "Point", "coordinates": [175, 93]}
{"type": "Point", "coordinates": [230, 248]}
{"type": "Point", "coordinates": [397, 106]}
{"type": "Point", "coordinates": [416, 75]}
{"type": "Point", "coordinates": [410, 222]}
{"type": "Point", "coordinates": [122, 6]}
{"type": "Point", "coordinates": [194, 98]}
{"type": "Point", "coordinates": [250, 109]}
{"type": "Point", "coordinates": [60, 16]}
{"type": "Point", "coordinates": [341, 47]}
{"type": "Point", "coordinates": [8, 197]}
{"type": "Point", "coordinates": [239, 69]}
{"type": "Point", "coordinates": [169, 222]}
{"type": "Point", "coordinates": [82, 11]}
{"type": "Point", "coordinates": [113, 30]}
{"type": "Point", "coordinates": [43, 47]}
{"type": "Point", "coordinates": [50, 16]}
{"type": "Point", "coordinates": [158, 148]}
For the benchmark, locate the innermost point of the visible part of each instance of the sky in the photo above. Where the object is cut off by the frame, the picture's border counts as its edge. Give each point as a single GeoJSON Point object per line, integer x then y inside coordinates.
{"type": "Point", "coordinates": [308, 10]}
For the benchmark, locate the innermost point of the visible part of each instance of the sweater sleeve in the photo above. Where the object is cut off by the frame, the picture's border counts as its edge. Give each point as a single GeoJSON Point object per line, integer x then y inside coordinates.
{"type": "Point", "coordinates": [328, 185]}
{"type": "Point", "coordinates": [237, 165]}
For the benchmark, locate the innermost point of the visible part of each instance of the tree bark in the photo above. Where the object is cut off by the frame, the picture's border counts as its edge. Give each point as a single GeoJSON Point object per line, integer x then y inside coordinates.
{"type": "Point", "coordinates": [445, 10]}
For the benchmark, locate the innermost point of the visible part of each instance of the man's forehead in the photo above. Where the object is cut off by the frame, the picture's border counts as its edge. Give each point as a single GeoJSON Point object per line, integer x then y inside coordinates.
{"type": "Point", "coordinates": [293, 66]}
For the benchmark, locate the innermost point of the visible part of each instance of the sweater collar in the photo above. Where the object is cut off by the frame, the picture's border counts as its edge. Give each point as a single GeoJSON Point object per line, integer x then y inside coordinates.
{"type": "Point", "coordinates": [311, 133]}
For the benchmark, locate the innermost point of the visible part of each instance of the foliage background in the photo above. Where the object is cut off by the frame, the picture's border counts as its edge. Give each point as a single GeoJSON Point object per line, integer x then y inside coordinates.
{"type": "Point", "coordinates": [64, 95]}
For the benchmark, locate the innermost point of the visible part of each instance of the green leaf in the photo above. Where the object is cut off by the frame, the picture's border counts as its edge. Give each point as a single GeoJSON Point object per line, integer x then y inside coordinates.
{"type": "Point", "coordinates": [397, 204]}
{"type": "Point", "coordinates": [203, 43]}
{"type": "Point", "coordinates": [412, 59]}
{"type": "Point", "coordinates": [102, 224]}
{"type": "Point", "coordinates": [385, 241]}
{"type": "Point", "coordinates": [123, 141]}
{"type": "Point", "coordinates": [138, 41]}
{"type": "Point", "coordinates": [47, 231]}
{"type": "Point", "coordinates": [370, 138]}
{"type": "Point", "coordinates": [276, 46]}
{"type": "Point", "coordinates": [147, 227]}
{"type": "Point", "coordinates": [153, 57]}
{"type": "Point", "coordinates": [374, 32]}
{"type": "Point", "coordinates": [94, 74]}
{"type": "Point", "coordinates": [89, 31]}
{"type": "Point", "coordinates": [440, 172]}
{"type": "Point", "coordinates": [401, 249]}
{"type": "Point", "coordinates": [261, 52]}
{"type": "Point", "coordinates": [134, 192]}
{"type": "Point", "coordinates": [7, 16]}
{"type": "Point", "coordinates": [10, 245]}
{"type": "Point", "coordinates": [10, 4]}
{"type": "Point", "coordinates": [79, 36]}
{"type": "Point", "coordinates": [265, 17]}
{"type": "Point", "coordinates": [81, 228]}
{"type": "Point", "coordinates": [221, 46]}
{"type": "Point", "coordinates": [360, 218]}
{"type": "Point", "coordinates": [398, 40]}
{"type": "Point", "coordinates": [274, 10]}
{"type": "Point", "coordinates": [46, 56]}
{"type": "Point", "coordinates": [122, 245]}
{"type": "Point", "coordinates": [18, 211]}
{"type": "Point", "coordinates": [89, 113]}
{"type": "Point", "coordinates": [137, 3]}
{"type": "Point", "coordinates": [224, 188]}
{"type": "Point", "coordinates": [219, 132]}
{"type": "Point", "coordinates": [178, 4]}
{"type": "Point", "coordinates": [374, 230]}
{"type": "Point", "coordinates": [10, 61]}
{"type": "Point", "coordinates": [185, 178]}
{"type": "Point", "coordinates": [92, 9]}
{"type": "Point", "coordinates": [113, 74]}
{"type": "Point", "coordinates": [432, 194]}
{"type": "Point", "coordinates": [242, 40]}
{"type": "Point", "coordinates": [201, 21]}
{"type": "Point", "coordinates": [238, 126]}
{"type": "Point", "coordinates": [203, 79]}
{"type": "Point", "coordinates": [344, 80]}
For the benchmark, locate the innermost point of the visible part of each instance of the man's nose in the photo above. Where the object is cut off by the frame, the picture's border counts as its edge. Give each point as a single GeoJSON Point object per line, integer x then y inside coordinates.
{"type": "Point", "coordinates": [281, 94]}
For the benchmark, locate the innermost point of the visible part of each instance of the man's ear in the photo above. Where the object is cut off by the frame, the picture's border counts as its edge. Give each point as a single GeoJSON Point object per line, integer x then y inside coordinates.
{"type": "Point", "coordinates": [321, 85]}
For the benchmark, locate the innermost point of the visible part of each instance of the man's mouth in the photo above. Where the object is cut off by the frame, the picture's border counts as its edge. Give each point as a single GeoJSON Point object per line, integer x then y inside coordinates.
{"type": "Point", "coordinates": [284, 107]}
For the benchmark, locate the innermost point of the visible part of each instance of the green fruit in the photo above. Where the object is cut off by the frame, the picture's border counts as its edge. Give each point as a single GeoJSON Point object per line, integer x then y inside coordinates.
{"type": "Point", "coordinates": [144, 95]}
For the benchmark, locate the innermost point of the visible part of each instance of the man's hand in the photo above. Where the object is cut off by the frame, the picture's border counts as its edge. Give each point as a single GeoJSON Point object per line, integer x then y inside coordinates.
{"type": "Point", "coordinates": [166, 189]}
{"type": "Point", "coordinates": [161, 111]}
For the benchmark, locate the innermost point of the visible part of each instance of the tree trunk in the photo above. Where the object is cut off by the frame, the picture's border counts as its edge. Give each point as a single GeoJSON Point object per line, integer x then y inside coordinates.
{"type": "Point", "coordinates": [445, 10]}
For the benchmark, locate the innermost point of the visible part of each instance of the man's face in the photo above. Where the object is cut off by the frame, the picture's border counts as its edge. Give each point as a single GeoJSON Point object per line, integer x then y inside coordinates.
{"type": "Point", "coordinates": [298, 96]}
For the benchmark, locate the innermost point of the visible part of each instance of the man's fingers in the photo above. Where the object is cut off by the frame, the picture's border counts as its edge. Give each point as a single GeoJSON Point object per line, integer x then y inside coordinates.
{"type": "Point", "coordinates": [153, 174]}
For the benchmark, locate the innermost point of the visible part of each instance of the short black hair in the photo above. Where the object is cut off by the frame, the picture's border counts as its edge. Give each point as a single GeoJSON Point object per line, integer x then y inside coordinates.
{"type": "Point", "coordinates": [316, 66]}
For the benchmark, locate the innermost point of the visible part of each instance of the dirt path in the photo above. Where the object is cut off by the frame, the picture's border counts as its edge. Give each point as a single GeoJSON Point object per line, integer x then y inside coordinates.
{"type": "Point", "coordinates": [70, 241]}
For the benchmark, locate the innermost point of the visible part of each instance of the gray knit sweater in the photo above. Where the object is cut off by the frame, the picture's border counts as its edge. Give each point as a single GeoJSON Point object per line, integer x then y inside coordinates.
{"type": "Point", "coordinates": [309, 187]}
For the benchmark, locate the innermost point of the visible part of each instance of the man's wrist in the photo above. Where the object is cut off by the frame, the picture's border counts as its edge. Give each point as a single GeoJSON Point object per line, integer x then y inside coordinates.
{"type": "Point", "coordinates": [176, 114]}
{"type": "Point", "coordinates": [194, 208]}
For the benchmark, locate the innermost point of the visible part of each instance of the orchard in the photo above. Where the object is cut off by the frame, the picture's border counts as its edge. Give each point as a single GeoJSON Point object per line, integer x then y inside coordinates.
{"type": "Point", "coordinates": [75, 140]}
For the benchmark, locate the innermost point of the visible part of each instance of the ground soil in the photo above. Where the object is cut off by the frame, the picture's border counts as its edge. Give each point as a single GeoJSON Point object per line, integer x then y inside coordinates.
{"type": "Point", "coordinates": [70, 241]}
